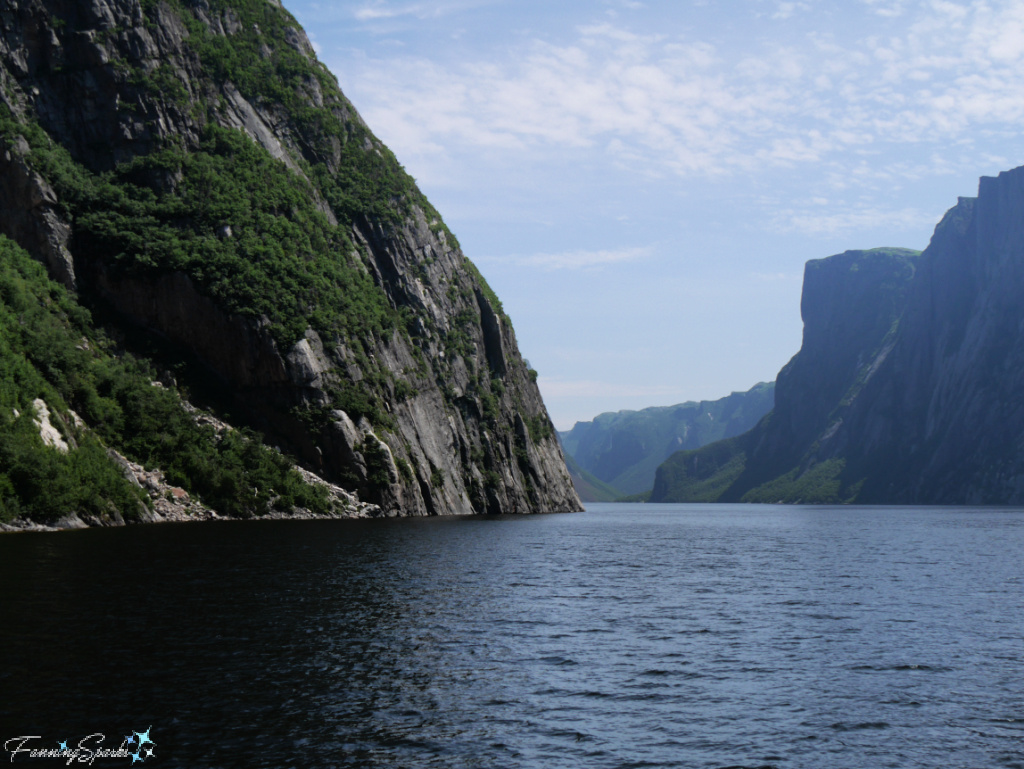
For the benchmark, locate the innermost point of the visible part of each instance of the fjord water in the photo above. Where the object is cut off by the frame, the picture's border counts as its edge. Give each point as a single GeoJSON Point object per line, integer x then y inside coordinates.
{"type": "Point", "coordinates": [626, 636]}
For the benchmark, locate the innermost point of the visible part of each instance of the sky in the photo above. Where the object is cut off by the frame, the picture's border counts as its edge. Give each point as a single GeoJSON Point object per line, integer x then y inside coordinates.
{"type": "Point", "coordinates": [642, 182]}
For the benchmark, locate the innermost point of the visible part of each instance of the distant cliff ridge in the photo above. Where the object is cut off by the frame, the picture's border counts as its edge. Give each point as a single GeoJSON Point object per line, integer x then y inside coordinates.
{"type": "Point", "coordinates": [908, 387]}
{"type": "Point", "coordinates": [190, 170]}
{"type": "Point", "coordinates": [617, 453]}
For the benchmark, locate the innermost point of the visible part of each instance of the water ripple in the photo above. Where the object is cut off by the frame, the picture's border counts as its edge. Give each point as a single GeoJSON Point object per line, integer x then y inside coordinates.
{"type": "Point", "coordinates": [630, 636]}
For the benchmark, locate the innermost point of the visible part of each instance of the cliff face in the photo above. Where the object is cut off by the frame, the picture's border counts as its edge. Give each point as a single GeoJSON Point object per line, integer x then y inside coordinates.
{"type": "Point", "coordinates": [192, 167]}
{"type": "Point", "coordinates": [908, 387]}
{"type": "Point", "coordinates": [944, 424]}
{"type": "Point", "coordinates": [851, 305]}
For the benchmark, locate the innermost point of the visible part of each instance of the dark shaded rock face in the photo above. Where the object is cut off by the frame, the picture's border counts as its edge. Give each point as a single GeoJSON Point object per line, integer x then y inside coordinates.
{"type": "Point", "coordinates": [946, 421]}
{"type": "Point", "coordinates": [909, 387]}
{"type": "Point", "coordinates": [29, 214]}
{"type": "Point", "coordinates": [851, 307]}
{"type": "Point", "coordinates": [463, 427]}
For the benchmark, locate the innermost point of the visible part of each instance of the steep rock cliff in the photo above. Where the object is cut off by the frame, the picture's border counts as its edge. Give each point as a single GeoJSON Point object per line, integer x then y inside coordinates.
{"type": "Point", "coordinates": [907, 389]}
{"type": "Point", "coordinates": [851, 306]}
{"type": "Point", "coordinates": [192, 167]}
{"type": "Point", "coordinates": [945, 423]}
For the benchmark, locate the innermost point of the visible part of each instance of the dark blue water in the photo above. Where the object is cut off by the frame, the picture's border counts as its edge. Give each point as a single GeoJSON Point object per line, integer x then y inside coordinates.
{"type": "Point", "coordinates": [628, 636]}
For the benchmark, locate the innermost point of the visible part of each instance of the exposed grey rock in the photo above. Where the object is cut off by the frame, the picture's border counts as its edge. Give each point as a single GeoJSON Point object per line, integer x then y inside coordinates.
{"type": "Point", "coordinates": [851, 305]}
{"type": "Point", "coordinates": [450, 450]}
{"type": "Point", "coordinates": [297, 39]}
{"type": "Point", "coordinates": [242, 115]}
{"type": "Point", "coordinates": [447, 448]}
{"type": "Point", "coordinates": [231, 24]}
{"type": "Point", "coordinates": [49, 434]}
{"type": "Point", "coordinates": [947, 406]}
{"type": "Point", "coordinates": [307, 364]}
{"type": "Point", "coordinates": [494, 345]}
{"type": "Point", "coordinates": [28, 214]}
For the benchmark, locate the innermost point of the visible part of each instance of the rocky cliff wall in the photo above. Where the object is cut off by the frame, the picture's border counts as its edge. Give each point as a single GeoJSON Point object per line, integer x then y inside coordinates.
{"type": "Point", "coordinates": [947, 412]}
{"type": "Point", "coordinates": [909, 387]}
{"type": "Point", "coordinates": [407, 385]}
{"type": "Point", "coordinates": [852, 305]}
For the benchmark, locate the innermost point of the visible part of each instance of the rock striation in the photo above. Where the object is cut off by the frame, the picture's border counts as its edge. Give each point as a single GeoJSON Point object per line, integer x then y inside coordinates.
{"type": "Point", "coordinates": [405, 385]}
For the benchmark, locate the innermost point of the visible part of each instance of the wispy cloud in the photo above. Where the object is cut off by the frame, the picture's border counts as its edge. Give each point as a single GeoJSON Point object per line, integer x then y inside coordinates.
{"type": "Point", "coordinates": [574, 260]}
{"type": "Point", "coordinates": [858, 219]}
{"type": "Point", "coordinates": [665, 104]}
{"type": "Point", "coordinates": [371, 13]}
{"type": "Point", "coordinates": [776, 277]}
{"type": "Point", "coordinates": [376, 11]}
{"type": "Point", "coordinates": [787, 9]}
{"type": "Point", "coordinates": [888, 8]}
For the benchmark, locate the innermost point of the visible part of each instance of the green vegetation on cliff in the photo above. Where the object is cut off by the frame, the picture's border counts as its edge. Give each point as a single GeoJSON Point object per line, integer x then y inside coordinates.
{"type": "Point", "coordinates": [197, 177]}
{"type": "Point", "coordinates": [253, 233]}
{"type": "Point", "coordinates": [240, 223]}
{"type": "Point", "coordinates": [264, 58]}
{"type": "Point", "coordinates": [719, 472]}
{"type": "Point", "coordinates": [50, 350]}
{"type": "Point", "coordinates": [237, 221]}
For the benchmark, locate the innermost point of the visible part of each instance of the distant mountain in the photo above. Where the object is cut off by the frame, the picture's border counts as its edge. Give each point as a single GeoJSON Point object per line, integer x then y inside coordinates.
{"type": "Point", "coordinates": [909, 386]}
{"type": "Point", "coordinates": [623, 449]}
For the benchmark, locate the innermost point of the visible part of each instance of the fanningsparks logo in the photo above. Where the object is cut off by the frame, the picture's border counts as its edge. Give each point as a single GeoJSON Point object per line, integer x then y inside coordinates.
{"type": "Point", "coordinates": [137, 746]}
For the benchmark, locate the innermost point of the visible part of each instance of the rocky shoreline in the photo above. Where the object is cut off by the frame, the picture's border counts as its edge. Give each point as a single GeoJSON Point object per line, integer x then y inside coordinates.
{"type": "Point", "coordinates": [172, 504]}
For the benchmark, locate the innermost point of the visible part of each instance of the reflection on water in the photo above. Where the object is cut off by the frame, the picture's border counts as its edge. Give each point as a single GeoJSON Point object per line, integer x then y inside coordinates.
{"type": "Point", "coordinates": [655, 636]}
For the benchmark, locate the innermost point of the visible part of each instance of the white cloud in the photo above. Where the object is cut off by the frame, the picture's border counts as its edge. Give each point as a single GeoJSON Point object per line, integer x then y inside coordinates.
{"type": "Point", "coordinates": [844, 221]}
{"type": "Point", "coordinates": [581, 259]}
{"type": "Point", "coordinates": [786, 9]}
{"type": "Point", "coordinates": [379, 10]}
{"type": "Point", "coordinates": [663, 104]}
{"type": "Point", "coordinates": [888, 8]}
{"type": "Point", "coordinates": [627, 92]}
{"type": "Point", "coordinates": [370, 13]}
{"type": "Point", "coordinates": [574, 260]}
